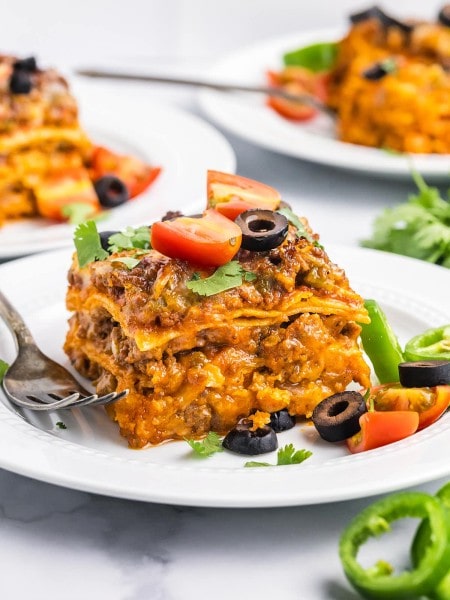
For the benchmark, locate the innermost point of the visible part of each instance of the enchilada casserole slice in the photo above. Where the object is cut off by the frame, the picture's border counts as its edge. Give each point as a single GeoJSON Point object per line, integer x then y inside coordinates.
{"type": "Point", "coordinates": [40, 137]}
{"type": "Point", "coordinates": [193, 364]}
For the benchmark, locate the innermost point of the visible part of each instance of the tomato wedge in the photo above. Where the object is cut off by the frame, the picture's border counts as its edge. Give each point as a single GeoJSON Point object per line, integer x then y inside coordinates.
{"type": "Point", "coordinates": [382, 428]}
{"type": "Point", "coordinates": [211, 240]}
{"type": "Point", "coordinates": [429, 402]}
{"type": "Point", "coordinates": [135, 173]}
{"type": "Point", "coordinates": [232, 194]}
{"type": "Point", "coordinates": [58, 190]}
{"type": "Point", "coordinates": [297, 80]}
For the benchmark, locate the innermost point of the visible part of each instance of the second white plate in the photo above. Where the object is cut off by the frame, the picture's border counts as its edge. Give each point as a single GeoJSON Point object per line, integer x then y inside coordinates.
{"type": "Point", "coordinates": [247, 116]}
{"type": "Point", "coordinates": [125, 118]}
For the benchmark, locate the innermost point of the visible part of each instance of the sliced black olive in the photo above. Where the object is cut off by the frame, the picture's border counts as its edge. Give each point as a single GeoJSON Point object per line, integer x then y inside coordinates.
{"type": "Point", "coordinates": [262, 229]}
{"type": "Point", "coordinates": [172, 214]}
{"type": "Point", "coordinates": [364, 15]}
{"type": "Point", "coordinates": [379, 70]}
{"type": "Point", "coordinates": [20, 82]}
{"type": "Point", "coordinates": [111, 191]}
{"type": "Point", "coordinates": [104, 238]}
{"type": "Point", "coordinates": [386, 20]}
{"type": "Point", "coordinates": [337, 417]}
{"type": "Point", "coordinates": [389, 21]}
{"type": "Point", "coordinates": [26, 64]}
{"type": "Point", "coordinates": [281, 420]}
{"type": "Point", "coordinates": [427, 373]}
{"type": "Point", "coordinates": [243, 441]}
{"type": "Point", "coordinates": [444, 15]}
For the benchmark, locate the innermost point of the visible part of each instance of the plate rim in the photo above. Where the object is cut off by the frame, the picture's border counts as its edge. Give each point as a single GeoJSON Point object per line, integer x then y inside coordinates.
{"type": "Point", "coordinates": [45, 457]}
{"type": "Point", "coordinates": [274, 136]}
{"type": "Point", "coordinates": [215, 149]}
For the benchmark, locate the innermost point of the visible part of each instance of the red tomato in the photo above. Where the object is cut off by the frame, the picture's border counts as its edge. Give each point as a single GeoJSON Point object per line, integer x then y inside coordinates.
{"type": "Point", "coordinates": [56, 191]}
{"type": "Point", "coordinates": [211, 240]}
{"type": "Point", "coordinates": [135, 174]}
{"type": "Point", "coordinates": [297, 80]}
{"type": "Point", "coordinates": [381, 428]}
{"type": "Point", "coordinates": [430, 403]}
{"type": "Point", "coordinates": [232, 194]}
{"type": "Point", "coordinates": [294, 111]}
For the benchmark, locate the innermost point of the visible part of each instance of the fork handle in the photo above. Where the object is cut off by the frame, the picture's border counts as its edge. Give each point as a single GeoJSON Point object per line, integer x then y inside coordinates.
{"type": "Point", "coordinates": [15, 322]}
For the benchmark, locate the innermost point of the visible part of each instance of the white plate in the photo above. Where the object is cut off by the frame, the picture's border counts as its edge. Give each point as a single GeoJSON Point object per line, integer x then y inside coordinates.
{"type": "Point", "coordinates": [125, 118]}
{"type": "Point", "coordinates": [247, 116]}
{"type": "Point", "coordinates": [90, 455]}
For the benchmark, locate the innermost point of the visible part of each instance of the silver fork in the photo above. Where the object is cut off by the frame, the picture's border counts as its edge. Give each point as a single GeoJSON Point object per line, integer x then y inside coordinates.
{"type": "Point", "coordinates": [37, 382]}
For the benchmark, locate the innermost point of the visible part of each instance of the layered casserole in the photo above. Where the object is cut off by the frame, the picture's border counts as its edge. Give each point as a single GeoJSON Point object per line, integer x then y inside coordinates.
{"type": "Point", "coordinates": [287, 338]}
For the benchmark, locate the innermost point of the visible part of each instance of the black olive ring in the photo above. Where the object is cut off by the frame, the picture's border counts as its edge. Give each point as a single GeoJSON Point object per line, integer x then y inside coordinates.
{"type": "Point", "coordinates": [262, 229]}
{"type": "Point", "coordinates": [337, 417]}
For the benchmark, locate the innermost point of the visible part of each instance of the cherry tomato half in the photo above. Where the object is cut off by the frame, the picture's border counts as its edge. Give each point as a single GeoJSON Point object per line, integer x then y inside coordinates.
{"type": "Point", "coordinates": [211, 240]}
{"type": "Point", "coordinates": [134, 173]}
{"type": "Point", "coordinates": [429, 402]}
{"type": "Point", "coordinates": [232, 194]}
{"type": "Point", "coordinates": [382, 428]}
{"type": "Point", "coordinates": [297, 80]}
{"type": "Point", "coordinates": [56, 191]}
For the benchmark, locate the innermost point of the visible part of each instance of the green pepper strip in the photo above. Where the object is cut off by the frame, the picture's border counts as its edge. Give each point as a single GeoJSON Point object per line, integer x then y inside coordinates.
{"type": "Point", "coordinates": [433, 344]}
{"type": "Point", "coordinates": [316, 57]}
{"type": "Point", "coordinates": [422, 539]}
{"type": "Point", "coordinates": [374, 520]}
{"type": "Point", "coordinates": [381, 344]}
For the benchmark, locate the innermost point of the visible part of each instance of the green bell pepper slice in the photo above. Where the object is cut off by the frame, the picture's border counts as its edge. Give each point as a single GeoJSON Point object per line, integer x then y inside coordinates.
{"type": "Point", "coordinates": [378, 582]}
{"type": "Point", "coordinates": [381, 344]}
{"type": "Point", "coordinates": [433, 344]}
{"type": "Point", "coordinates": [316, 57]}
{"type": "Point", "coordinates": [422, 539]}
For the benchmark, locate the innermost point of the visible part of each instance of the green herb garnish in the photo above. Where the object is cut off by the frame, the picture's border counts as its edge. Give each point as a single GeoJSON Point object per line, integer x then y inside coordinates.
{"type": "Point", "coordinates": [207, 447]}
{"type": "Point", "coordinates": [130, 238]}
{"type": "Point", "coordinates": [61, 425]}
{"type": "Point", "coordinates": [419, 228]}
{"type": "Point", "coordinates": [88, 245]}
{"type": "Point", "coordinates": [224, 278]}
{"type": "Point", "coordinates": [3, 368]}
{"type": "Point", "coordinates": [285, 456]}
{"type": "Point", "coordinates": [77, 212]}
{"type": "Point", "coordinates": [301, 229]}
{"type": "Point", "coordinates": [316, 57]}
{"type": "Point", "coordinates": [129, 261]}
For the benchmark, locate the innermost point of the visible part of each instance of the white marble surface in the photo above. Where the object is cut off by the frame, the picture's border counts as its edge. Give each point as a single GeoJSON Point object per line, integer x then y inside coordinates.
{"type": "Point", "coordinates": [59, 543]}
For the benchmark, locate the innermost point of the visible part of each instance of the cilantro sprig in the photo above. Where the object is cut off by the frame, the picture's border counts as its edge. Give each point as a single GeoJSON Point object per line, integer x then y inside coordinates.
{"type": "Point", "coordinates": [89, 247]}
{"type": "Point", "coordinates": [130, 238]}
{"type": "Point", "coordinates": [224, 278]}
{"type": "Point", "coordinates": [419, 228]}
{"type": "Point", "coordinates": [301, 229]}
{"type": "Point", "coordinates": [3, 368]}
{"type": "Point", "coordinates": [208, 446]}
{"type": "Point", "coordinates": [285, 456]}
{"type": "Point", "coordinates": [77, 212]}
{"type": "Point", "coordinates": [87, 243]}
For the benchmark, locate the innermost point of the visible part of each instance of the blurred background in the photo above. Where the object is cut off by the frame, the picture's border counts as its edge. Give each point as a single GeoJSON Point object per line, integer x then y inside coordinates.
{"type": "Point", "coordinates": [146, 31]}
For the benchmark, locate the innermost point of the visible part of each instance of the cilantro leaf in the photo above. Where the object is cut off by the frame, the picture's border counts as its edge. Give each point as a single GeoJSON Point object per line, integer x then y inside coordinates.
{"type": "Point", "coordinates": [61, 425]}
{"type": "Point", "coordinates": [285, 456]}
{"type": "Point", "coordinates": [208, 446]}
{"type": "Point", "coordinates": [129, 261]}
{"type": "Point", "coordinates": [224, 278]}
{"type": "Point", "coordinates": [77, 212]}
{"type": "Point", "coordinates": [130, 238]}
{"type": "Point", "coordinates": [419, 228]}
{"type": "Point", "coordinates": [301, 229]}
{"type": "Point", "coordinates": [88, 245]}
{"type": "Point", "coordinates": [3, 368]}
{"type": "Point", "coordinates": [289, 456]}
